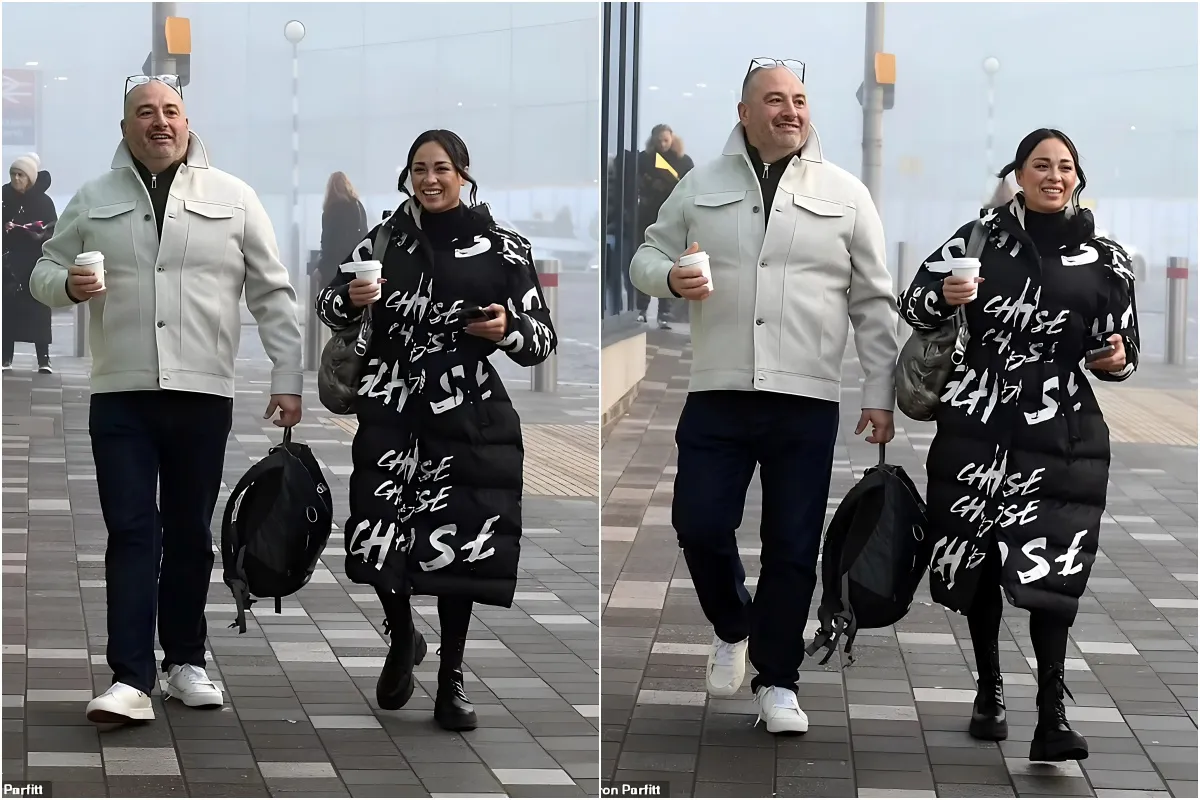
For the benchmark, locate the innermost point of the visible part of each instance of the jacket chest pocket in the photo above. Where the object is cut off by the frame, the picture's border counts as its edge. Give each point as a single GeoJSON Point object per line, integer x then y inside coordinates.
{"type": "Point", "coordinates": [822, 231]}
{"type": "Point", "coordinates": [714, 221]}
{"type": "Point", "coordinates": [209, 229]}
{"type": "Point", "coordinates": [110, 228]}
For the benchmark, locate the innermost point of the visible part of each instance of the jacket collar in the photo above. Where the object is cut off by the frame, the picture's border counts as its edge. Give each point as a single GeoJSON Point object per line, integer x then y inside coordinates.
{"type": "Point", "coordinates": [197, 157]}
{"type": "Point", "coordinates": [811, 151]}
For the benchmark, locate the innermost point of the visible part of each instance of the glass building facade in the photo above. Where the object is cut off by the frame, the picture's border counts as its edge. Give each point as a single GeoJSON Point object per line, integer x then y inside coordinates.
{"type": "Point", "coordinates": [619, 118]}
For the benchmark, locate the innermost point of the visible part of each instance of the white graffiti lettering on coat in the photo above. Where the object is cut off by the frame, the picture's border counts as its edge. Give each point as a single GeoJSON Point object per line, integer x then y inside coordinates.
{"type": "Point", "coordinates": [446, 551]}
{"type": "Point", "coordinates": [1041, 567]}
{"type": "Point", "coordinates": [371, 543]}
{"type": "Point", "coordinates": [1067, 559]}
{"type": "Point", "coordinates": [947, 558]}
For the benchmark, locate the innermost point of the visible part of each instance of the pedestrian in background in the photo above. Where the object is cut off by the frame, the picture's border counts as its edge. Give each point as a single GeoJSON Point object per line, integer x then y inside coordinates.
{"type": "Point", "coordinates": [435, 495]}
{"type": "Point", "coordinates": [343, 225]}
{"type": "Point", "coordinates": [660, 168]}
{"type": "Point", "coordinates": [1018, 469]}
{"type": "Point", "coordinates": [165, 328]}
{"type": "Point", "coordinates": [796, 251]}
{"type": "Point", "coordinates": [29, 218]}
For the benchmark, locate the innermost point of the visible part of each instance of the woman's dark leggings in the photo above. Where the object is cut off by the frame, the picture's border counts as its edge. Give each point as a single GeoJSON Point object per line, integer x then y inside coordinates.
{"type": "Point", "coordinates": [1049, 633]}
{"type": "Point", "coordinates": [454, 617]}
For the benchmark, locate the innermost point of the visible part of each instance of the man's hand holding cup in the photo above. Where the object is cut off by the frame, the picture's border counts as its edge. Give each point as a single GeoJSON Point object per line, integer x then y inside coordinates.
{"type": "Point", "coordinates": [85, 278]}
{"type": "Point", "coordinates": [690, 277]}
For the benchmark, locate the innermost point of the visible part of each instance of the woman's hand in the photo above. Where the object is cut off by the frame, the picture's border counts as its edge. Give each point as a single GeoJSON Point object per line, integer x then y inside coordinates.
{"type": "Point", "coordinates": [364, 292]}
{"type": "Point", "coordinates": [960, 291]}
{"type": "Point", "coordinates": [1114, 361]}
{"type": "Point", "coordinates": [491, 329]}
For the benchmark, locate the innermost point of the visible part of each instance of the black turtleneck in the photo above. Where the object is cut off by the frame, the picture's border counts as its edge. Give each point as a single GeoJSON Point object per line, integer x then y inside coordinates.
{"type": "Point", "coordinates": [1050, 232]}
{"type": "Point", "coordinates": [768, 174]}
{"type": "Point", "coordinates": [159, 187]}
{"type": "Point", "coordinates": [445, 227]}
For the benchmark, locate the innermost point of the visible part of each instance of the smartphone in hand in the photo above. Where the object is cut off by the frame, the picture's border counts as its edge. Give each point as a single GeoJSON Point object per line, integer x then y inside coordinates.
{"type": "Point", "coordinates": [1100, 352]}
{"type": "Point", "coordinates": [474, 314]}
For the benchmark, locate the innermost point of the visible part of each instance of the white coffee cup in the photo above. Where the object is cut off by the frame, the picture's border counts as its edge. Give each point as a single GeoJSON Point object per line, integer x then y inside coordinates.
{"type": "Point", "coordinates": [965, 268]}
{"type": "Point", "coordinates": [92, 261]}
{"type": "Point", "coordinates": [366, 271]}
{"type": "Point", "coordinates": [698, 260]}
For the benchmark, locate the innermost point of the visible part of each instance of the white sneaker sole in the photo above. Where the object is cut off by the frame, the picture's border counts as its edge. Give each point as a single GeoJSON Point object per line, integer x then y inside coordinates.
{"type": "Point", "coordinates": [785, 725]}
{"type": "Point", "coordinates": [115, 713]}
{"type": "Point", "coordinates": [196, 699]}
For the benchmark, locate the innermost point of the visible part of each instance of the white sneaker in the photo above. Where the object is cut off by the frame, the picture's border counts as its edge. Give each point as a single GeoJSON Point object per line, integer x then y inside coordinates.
{"type": "Point", "coordinates": [726, 667]}
{"type": "Point", "coordinates": [121, 703]}
{"type": "Point", "coordinates": [779, 708]}
{"type": "Point", "coordinates": [192, 686]}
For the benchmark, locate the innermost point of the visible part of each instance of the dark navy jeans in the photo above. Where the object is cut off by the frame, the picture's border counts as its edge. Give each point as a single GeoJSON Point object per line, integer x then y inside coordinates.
{"type": "Point", "coordinates": [722, 436]}
{"type": "Point", "coordinates": [159, 457]}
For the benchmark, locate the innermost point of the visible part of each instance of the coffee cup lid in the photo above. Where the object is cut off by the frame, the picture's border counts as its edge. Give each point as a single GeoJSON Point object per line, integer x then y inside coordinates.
{"type": "Point", "coordinates": [89, 258]}
{"type": "Point", "coordinates": [355, 267]}
{"type": "Point", "coordinates": [692, 258]}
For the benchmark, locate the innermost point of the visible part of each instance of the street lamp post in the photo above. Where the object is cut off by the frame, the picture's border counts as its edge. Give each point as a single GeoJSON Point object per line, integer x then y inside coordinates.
{"type": "Point", "coordinates": [294, 33]}
{"type": "Point", "coordinates": [990, 67]}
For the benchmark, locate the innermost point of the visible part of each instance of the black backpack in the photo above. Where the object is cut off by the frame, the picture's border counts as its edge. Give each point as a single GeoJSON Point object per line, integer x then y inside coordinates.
{"type": "Point", "coordinates": [276, 524]}
{"type": "Point", "coordinates": [875, 554]}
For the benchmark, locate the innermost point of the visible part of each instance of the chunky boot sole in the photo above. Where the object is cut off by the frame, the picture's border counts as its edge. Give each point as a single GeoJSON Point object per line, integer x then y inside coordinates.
{"type": "Point", "coordinates": [396, 701]}
{"type": "Point", "coordinates": [988, 730]}
{"type": "Point", "coordinates": [1056, 746]}
{"type": "Point", "coordinates": [452, 720]}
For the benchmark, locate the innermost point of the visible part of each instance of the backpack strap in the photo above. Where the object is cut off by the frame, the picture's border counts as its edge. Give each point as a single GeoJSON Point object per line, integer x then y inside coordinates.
{"type": "Point", "coordinates": [241, 592]}
{"type": "Point", "coordinates": [977, 241]}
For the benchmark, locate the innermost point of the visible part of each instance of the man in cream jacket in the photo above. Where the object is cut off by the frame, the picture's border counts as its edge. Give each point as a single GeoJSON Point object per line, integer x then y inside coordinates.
{"type": "Point", "coordinates": [796, 251]}
{"type": "Point", "coordinates": [180, 241]}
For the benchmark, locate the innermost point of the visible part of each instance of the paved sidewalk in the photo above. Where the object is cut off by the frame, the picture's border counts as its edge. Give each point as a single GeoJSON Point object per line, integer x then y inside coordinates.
{"type": "Point", "coordinates": [894, 724]}
{"type": "Point", "coordinates": [300, 715]}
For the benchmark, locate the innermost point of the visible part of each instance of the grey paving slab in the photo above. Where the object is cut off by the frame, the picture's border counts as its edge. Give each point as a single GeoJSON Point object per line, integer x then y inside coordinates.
{"type": "Point", "coordinates": [300, 716]}
{"type": "Point", "coordinates": [894, 723]}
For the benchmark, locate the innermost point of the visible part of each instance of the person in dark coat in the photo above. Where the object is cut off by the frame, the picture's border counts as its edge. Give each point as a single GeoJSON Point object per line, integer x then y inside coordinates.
{"type": "Point", "coordinates": [29, 218]}
{"type": "Point", "coordinates": [1018, 470]}
{"type": "Point", "coordinates": [435, 495]}
{"type": "Point", "coordinates": [343, 225]}
{"type": "Point", "coordinates": [660, 168]}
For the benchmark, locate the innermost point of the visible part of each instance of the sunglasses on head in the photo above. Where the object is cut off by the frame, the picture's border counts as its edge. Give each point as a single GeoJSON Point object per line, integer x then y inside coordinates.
{"type": "Point", "coordinates": [768, 63]}
{"type": "Point", "coordinates": [141, 80]}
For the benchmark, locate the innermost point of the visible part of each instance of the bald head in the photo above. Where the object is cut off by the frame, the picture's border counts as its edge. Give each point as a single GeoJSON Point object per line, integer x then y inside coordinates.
{"type": "Point", "coordinates": [774, 111]}
{"type": "Point", "coordinates": [155, 125]}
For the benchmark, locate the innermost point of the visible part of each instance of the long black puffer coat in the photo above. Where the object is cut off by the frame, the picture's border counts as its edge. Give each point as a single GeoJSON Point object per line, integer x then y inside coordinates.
{"type": "Point", "coordinates": [1021, 454]}
{"type": "Point", "coordinates": [435, 495]}
{"type": "Point", "coordinates": [25, 319]}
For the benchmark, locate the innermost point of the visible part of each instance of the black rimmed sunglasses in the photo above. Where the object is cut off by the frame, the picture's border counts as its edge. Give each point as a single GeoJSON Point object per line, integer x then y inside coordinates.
{"type": "Point", "coordinates": [141, 80]}
{"type": "Point", "coordinates": [768, 63]}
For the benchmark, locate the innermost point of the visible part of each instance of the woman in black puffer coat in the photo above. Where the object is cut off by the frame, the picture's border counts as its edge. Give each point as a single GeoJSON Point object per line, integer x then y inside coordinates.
{"type": "Point", "coordinates": [435, 496]}
{"type": "Point", "coordinates": [1018, 470]}
{"type": "Point", "coordinates": [29, 218]}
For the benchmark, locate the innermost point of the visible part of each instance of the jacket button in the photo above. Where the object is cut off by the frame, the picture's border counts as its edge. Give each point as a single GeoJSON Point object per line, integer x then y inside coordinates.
{"type": "Point", "coordinates": [762, 263]}
{"type": "Point", "coordinates": [162, 324]}
{"type": "Point", "coordinates": [164, 269]}
{"type": "Point", "coordinates": [758, 321]}
{"type": "Point", "coordinates": [755, 209]}
{"type": "Point", "coordinates": [147, 217]}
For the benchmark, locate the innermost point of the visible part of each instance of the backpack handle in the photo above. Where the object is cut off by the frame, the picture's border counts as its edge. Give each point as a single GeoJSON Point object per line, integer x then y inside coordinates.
{"type": "Point", "coordinates": [882, 454]}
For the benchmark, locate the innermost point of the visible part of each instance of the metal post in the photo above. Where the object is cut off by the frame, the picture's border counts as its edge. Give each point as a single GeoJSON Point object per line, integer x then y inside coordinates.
{"type": "Point", "coordinates": [872, 141]}
{"type": "Point", "coordinates": [83, 345]}
{"type": "Point", "coordinates": [901, 282]}
{"type": "Point", "coordinates": [294, 213]}
{"type": "Point", "coordinates": [1177, 311]}
{"type": "Point", "coordinates": [162, 62]}
{"type": "Point", "coordinates": [544, 377]}
{"type": "Point", "coordinates": [991, 66]}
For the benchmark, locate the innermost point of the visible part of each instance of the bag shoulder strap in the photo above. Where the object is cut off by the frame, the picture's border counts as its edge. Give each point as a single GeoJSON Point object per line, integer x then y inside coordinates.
{"type": "Point", "coordinates": [383, 237]}
{"type": "Point", "coordinates": [977, 241]}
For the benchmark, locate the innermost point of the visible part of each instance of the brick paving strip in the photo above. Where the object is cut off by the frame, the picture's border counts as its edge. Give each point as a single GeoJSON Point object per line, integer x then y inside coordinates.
{"type": "Point", "coordinates": [894, 724]}
{"type": "Point", "coordinates": [300, 715]}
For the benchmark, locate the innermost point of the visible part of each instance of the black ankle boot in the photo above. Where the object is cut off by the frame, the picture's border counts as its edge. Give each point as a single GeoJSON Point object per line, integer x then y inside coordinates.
{"type": "Point", "coordinates": [395, 685]}
{"type": "Point", "coordinates": [1053, 739]}
{"type": "Point", "coordinates": [452, 709]}
{"type": "Point", "coordinates": [989, 721]}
